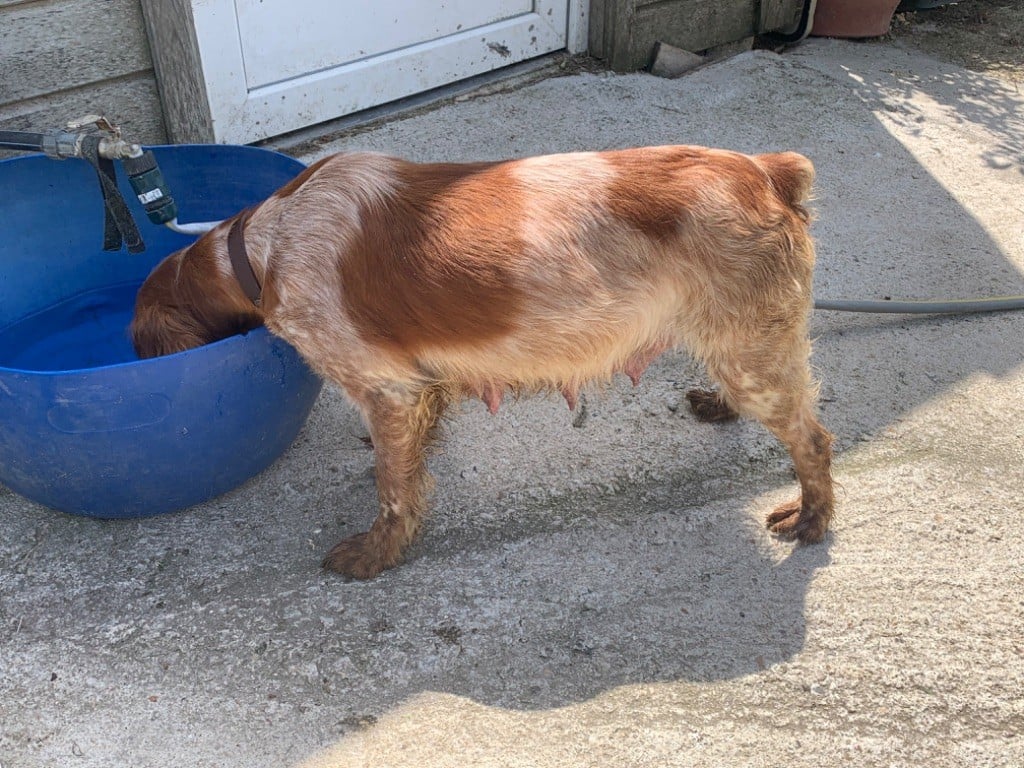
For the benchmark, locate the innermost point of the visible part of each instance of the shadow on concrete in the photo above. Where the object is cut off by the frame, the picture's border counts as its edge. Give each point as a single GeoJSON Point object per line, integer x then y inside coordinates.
{"type": "Point", "coordinates": [968, 100]}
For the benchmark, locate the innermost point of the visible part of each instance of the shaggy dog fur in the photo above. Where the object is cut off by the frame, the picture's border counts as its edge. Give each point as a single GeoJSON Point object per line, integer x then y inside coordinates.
{"type": "Point", "coordinates": [412, 285]}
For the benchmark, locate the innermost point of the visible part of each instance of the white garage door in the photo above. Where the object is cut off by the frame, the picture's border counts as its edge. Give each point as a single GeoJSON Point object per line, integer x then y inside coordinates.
{"type": "Point", "coordinates": [272, 66]}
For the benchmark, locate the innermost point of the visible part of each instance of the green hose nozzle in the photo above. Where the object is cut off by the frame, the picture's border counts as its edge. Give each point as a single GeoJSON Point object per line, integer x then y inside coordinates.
{"type": "Point", "coordinates": [150, 188]}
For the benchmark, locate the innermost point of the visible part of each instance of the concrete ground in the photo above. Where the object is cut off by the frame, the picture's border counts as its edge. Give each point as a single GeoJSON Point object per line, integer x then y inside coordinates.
{"type": "Point", "coordinates": [598, 590]}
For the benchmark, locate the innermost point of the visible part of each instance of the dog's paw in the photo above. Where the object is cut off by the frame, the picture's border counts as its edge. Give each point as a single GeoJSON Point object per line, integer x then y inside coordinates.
{"type": "Point", "coordinates": [791, 521]}
{"type": "Point", "coordinates": [708, 406]}
{"type": "Point", "coordinates": [352, 557]}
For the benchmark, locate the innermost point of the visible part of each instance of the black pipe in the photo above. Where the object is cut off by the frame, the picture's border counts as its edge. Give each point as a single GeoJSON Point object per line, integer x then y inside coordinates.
{"type": "Point", "coordinates": [803, 27]}
{"type": "Point", "coordinates": [24, 141]}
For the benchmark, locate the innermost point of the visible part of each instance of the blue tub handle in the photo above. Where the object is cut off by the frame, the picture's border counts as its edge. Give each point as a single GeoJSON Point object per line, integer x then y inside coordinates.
{"type": "Point", "coordinates": [107, 411]}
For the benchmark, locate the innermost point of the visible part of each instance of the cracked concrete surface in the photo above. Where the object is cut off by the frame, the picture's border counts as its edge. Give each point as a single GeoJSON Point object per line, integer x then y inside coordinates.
{"type": "Point", "coordinates": [603, 592]}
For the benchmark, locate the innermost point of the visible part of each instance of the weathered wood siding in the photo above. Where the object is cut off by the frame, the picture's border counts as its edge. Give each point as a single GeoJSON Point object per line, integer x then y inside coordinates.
{"type": "Point", "coordinates": [623, 32]}
{"type": "Point", "coordinates": [61, 59]}
{"type": "Point", "coordinates": [171, 28]}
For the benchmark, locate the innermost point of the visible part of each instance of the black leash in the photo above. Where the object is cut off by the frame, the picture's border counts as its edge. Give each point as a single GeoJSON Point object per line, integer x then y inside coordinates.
{"type": "Point", "coordinates": [118, 224]}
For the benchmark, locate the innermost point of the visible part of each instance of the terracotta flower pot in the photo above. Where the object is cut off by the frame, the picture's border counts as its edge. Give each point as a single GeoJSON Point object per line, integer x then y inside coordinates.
{"type": "Point", "coordinates": [853, 18]}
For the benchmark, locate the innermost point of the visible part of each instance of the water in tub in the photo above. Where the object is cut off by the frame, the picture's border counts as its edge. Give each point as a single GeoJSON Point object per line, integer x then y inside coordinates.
{"type": "Point", "coordinates": [85, 331]}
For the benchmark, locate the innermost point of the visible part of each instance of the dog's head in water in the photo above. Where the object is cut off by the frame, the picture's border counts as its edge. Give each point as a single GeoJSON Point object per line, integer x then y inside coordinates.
{"type": "Point", "coordinates": [190, 300]}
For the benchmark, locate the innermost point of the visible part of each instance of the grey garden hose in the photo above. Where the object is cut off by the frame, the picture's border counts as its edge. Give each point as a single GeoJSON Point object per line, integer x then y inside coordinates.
{"type": "Point", "coordinates": [944, 307]}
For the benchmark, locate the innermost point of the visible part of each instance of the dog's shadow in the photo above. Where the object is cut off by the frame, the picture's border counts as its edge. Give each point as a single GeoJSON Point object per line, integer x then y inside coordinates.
{"type": "Point", "coordinates": [647, 590]}
{"type": "Point", "coordinates": [534, 594]}
{"type": "Point", "coordinates": [532, 600]}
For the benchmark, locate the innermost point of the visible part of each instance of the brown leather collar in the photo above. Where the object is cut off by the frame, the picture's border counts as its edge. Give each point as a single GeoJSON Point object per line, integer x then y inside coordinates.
{"type": "Point", "coordinates": [240, 260]}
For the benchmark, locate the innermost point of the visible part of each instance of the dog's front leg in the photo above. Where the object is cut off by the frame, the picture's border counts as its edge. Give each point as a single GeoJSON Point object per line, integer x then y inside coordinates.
{"type": "Point", "coordinates": [401, 426]}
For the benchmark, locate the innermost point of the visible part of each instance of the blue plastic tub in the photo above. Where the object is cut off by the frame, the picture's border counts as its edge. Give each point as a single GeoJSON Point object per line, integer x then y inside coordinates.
{"type": "Point", "coordinates": [87, 428]}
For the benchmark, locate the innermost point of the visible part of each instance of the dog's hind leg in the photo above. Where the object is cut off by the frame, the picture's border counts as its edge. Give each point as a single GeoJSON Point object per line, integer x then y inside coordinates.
{"type": "Point", "coordinates": [810, 444]}
{"type": "Point", "coordinates": [772, 383]}
{"type": "Point", "coordinates": [709, 406]}
{"type": "Point", "coordinates": [401, 428]}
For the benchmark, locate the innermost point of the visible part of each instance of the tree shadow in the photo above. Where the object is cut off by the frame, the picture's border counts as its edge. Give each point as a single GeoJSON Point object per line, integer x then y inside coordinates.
{"type": "Point", "coordinates": [984, 35]}
{"type": "Point", "coordinates": [968, 101]}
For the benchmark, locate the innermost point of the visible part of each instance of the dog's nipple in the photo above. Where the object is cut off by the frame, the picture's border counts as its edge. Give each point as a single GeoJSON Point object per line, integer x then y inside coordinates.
{"type": "Point", "coordinates": [570, 394]}
{"type": "Point", "coordinates": [634, 368]}
{"type": "Point", "coordinates": [637, 364]}
{"type": "Point", "coordinates": [492, 396]}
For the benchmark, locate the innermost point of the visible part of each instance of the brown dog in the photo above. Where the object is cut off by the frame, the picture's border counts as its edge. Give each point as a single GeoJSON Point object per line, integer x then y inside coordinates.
{"type": "Point", "coordinates": [413, 285]}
